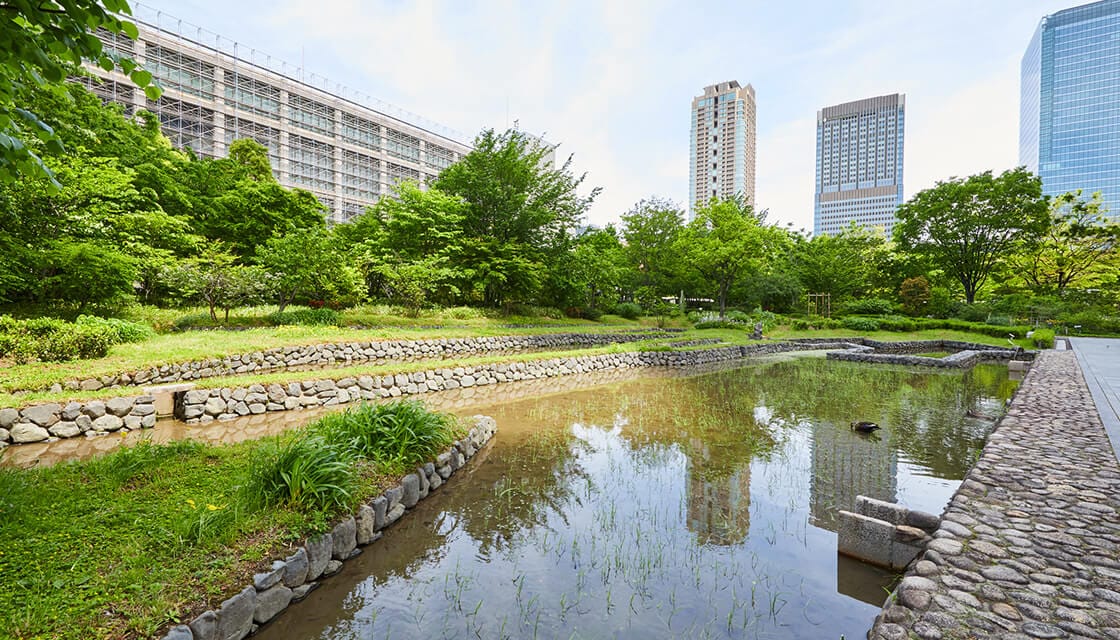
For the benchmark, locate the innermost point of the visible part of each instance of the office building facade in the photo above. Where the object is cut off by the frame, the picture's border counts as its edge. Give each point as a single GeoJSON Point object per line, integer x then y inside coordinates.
{"type": "Point", "coordinates": [722, 148]}
{"type": "Point", "coordinates": [1069, 125]}
{"type": "Point", "coordinates": [346, 148]}
{"type": "Point", "coordinates": [859, 164]}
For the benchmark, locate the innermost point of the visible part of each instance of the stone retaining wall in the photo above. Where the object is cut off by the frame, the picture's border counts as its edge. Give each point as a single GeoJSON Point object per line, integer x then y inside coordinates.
{"type": "Point", "coordinates": [1029, 547]}
{"type": "Point", "coordinates": [966, 354]}
{"type": "Point", "coordinates": [291, 579]}
{"type": "Point", "coordinates": [54, 420]}
{"type": "Point", "coordinates": [340, 354]}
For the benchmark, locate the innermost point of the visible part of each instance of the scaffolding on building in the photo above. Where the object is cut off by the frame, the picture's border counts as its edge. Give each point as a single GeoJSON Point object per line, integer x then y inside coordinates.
{"type": "Point", "coordinates": [345, 147]}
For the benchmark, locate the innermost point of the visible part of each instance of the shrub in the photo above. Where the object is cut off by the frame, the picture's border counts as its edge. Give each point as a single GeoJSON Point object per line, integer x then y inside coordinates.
{"type": "Point", "coordinates": [897, 323]}
{"type": "Point", "coordinates": [75, 342]}
{"type": "Point", "coordinates": [397, 433]}
{"type": "Point", "coordinates": [870, 307]}
{"type": "Point", "coordinates": [1043, 338]}
{"type": "Point", "coordinates": [125, 331]}
{"type": "Point", "coordinates": [306, 317]}
{"type": "Point", "coordinates": [302, 470]}
{"type": "Point", "coordinates": [628, 310]}
{"type": "Point", "coordinates": [720, 324]}
{"type": "Point", "coordinates": [860, 324]}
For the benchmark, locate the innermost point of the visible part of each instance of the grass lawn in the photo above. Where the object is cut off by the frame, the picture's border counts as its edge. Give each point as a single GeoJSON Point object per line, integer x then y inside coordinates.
{"type": "Point", "coordinates": [123, 545]}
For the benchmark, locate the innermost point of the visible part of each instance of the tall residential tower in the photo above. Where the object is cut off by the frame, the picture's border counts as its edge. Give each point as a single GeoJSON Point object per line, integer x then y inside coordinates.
{"type": "Point", "coordinates": [722, 148]}
{"type": "Point", "coordinates": [859, 164]}
{"type": "Point", "coordinates": [1069, 124]}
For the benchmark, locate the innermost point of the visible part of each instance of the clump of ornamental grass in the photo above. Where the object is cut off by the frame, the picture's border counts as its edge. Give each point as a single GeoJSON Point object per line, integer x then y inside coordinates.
{"type": "Point", "coordinates": [395, 434]}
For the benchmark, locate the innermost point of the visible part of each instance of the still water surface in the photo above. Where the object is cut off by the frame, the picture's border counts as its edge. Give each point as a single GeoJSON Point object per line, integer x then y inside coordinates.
{"type": "Point", "coordinates": [697, 507]}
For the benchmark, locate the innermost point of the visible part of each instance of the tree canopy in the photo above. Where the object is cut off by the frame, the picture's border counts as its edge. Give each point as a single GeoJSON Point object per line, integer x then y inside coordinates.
{"type": "Point", "coordinates": [967, 225]}
{"type": "Point", "coordinates": [41, 43]}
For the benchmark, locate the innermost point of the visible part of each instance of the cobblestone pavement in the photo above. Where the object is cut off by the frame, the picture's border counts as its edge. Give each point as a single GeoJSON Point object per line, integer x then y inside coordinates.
{"type": "Point", "coordinates": [1029, 547]}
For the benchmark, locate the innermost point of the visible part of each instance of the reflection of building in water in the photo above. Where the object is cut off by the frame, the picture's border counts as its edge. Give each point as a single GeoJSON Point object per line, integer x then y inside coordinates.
{"type": "Point", "coordinates": [719, 503]}
{"type": "Point", "coordinates": [846, 465]}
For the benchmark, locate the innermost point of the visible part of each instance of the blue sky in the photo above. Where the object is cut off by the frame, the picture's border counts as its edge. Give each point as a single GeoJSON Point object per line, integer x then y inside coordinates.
{"type": "Point", "coordinates": [612, 82]}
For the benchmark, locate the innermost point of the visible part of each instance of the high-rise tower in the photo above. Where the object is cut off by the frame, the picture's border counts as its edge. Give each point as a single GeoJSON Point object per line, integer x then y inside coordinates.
{"type": "Point", "coordinates": [722, 148]}
{"type": "Point", "coordinates": [859, 164]}
{"type": "Point", "coordinates": [1069, 124]}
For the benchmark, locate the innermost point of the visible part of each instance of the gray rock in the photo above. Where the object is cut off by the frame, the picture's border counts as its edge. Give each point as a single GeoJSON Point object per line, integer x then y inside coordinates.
{"type": "Point", "coordinates": [143, 409]}
{"type": "Point", "coordinates": [215, 406]}
{"type": "Point", "coordinates": [380, 506]}
{"type": "Point", "coordinates": [267, 579]}
{"type": "Point", "coordinates": [25, 432]}
{"type": "Point", "coordinates": [71, 411]}
{"type": "Point", "coordinates": [1006, 574]}
{"type": "Point", "coordinates": [295, 568]}
{"type": "Point", "coordinates": [333, 567]}
{"type": "Point", "coordinates": [343, 538]}
{"type": "Point", "coordinates": [8, 417]}
{"type": "Point", "coordinates": [394, 514]}
{"type": "Point", "coordinates": [5, 435]}
{"type": "Point", "coordinates": [108, 422]}
{"type": "Point", "coordinates": [363, 522]}
{"type": "Point", "coordinates": [393, 495]}
{"type": "Point", "coordinates": [84, 423]}
{"type": "Point", "coordinates": [271, 602]}
{"type": "Point", "coordinates": [94, 409]}
{"type": "Point", "coordinates": [300, 592]}
{"type": "Point", "coordinates": [119, 406]}
{"type": "Point", "coordinates": [43, 415]}
{"type": "Point", "coordinates": [65, 430]}
{"type": "Point", "coordinates": [410, 485]}
{"type": "Point", "coordinates": [131, 422]}
{"type": "Point", "coordinates": [922, 520]}
{"type": "Point", "coordinates": [148, 421]}
{"type": "Point", "coordinates": [946, 546]}
{"type": "Point", "coordinates": [180, 632]}
{"type": "Point", "coordinates": [205, 626]}
{"type": "Point", "coordinates": [235, 617]}
{"type": "Point", "coordinates": [318, 555]}
{"type": "Point", "coordinates": [91, 384]}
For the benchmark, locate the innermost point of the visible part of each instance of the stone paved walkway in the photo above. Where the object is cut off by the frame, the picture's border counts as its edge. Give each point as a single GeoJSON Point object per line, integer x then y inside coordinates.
{"type": "Point", "coordinates": [1029, 547]}
{"type": "Point", "coordinates": [1100, 361]}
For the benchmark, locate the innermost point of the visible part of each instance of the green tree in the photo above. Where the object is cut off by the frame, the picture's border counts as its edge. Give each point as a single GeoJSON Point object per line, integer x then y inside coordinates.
{"type": "Point", "coordinates": [307, 263]}
{"type": "Point", "coordinates": [651, 230]}
{"type": "Point", "coordinates": [966, 226]}
{"type": "Point", "coordinates": [915, 295]}
{"type": "Point", "coordinates": [521, 212]}
{"type": "Point", "coordinates": [841, 265]}
{"type": "Point", "coordinates": [410, 246]}
{"type": "Point", "coordinates": [85, 274]}
{"type": "Point", "coordinates": [1079, 242]}
{"type": "Point", "coordinates": [588, 279]}
{"type": "Point", "coordinates": [727, 241]}
{"type": "Point", "coordinates": [41, 42]}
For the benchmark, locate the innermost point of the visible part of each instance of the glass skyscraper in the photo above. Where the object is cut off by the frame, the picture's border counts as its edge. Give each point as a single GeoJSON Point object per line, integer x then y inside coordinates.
{"type": "Point", "coordinates": [1069, 126]}
{"type": "Point", "coordinates": [859, 164]}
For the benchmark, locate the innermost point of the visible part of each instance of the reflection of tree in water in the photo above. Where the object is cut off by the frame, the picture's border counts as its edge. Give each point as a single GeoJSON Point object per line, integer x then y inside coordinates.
{"type": "Point", "coordinates": [724, 420]}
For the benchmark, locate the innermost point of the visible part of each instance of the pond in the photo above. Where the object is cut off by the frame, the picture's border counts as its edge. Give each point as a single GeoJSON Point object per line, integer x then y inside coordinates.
{"type": "Point", "coordinates": [693, 507]}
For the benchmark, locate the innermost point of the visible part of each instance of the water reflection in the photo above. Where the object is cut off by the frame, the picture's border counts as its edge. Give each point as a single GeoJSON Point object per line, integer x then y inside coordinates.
{"type": "Point", "coordinates": [694, 507]}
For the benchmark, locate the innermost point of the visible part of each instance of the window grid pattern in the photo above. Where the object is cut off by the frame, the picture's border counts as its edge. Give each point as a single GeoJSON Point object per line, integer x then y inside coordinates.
{"type": "Point", "coordinates": [311, 163]}
{"type": "Point", "coordinates": [175, 70]}
{"type": "Point", "coordinates": [187, 125]}
{"type": "Point", "coordinates": [398, 173]}
{"type": "Point", "coordinates": [110, 91]}
{"type": "Point", "coordinates": [437, 157]}
{"type": "Point", "coordinates": [1070, 114]}
{"type": "Point", "coordinates": [401, 145]}
{"type": "Point", "coordinates": [269, 137]}
{"type": "Point", "coordinates": [361, 175]}
{"type": "Point", "coordinates": [361, 132]}
{"type": "Point", "coordinates": [251, 95]}
{"type": "Point", "coordinates": [310, 115]}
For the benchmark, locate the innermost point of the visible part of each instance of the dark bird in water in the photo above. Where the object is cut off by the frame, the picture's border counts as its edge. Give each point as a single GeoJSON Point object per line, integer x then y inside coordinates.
{"type": "Point", "coordinates": [864, 427]}
{"type": "Point", "coordinates": [973, 413]}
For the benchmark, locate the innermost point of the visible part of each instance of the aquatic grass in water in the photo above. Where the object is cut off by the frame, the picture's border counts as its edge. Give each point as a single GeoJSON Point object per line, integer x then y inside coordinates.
{"type": "Point", "coordinates": [699, 507]}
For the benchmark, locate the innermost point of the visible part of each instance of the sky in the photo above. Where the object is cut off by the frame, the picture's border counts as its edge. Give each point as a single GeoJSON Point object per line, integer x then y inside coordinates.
{"type": "Point", "coordinates": [612, 82]}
